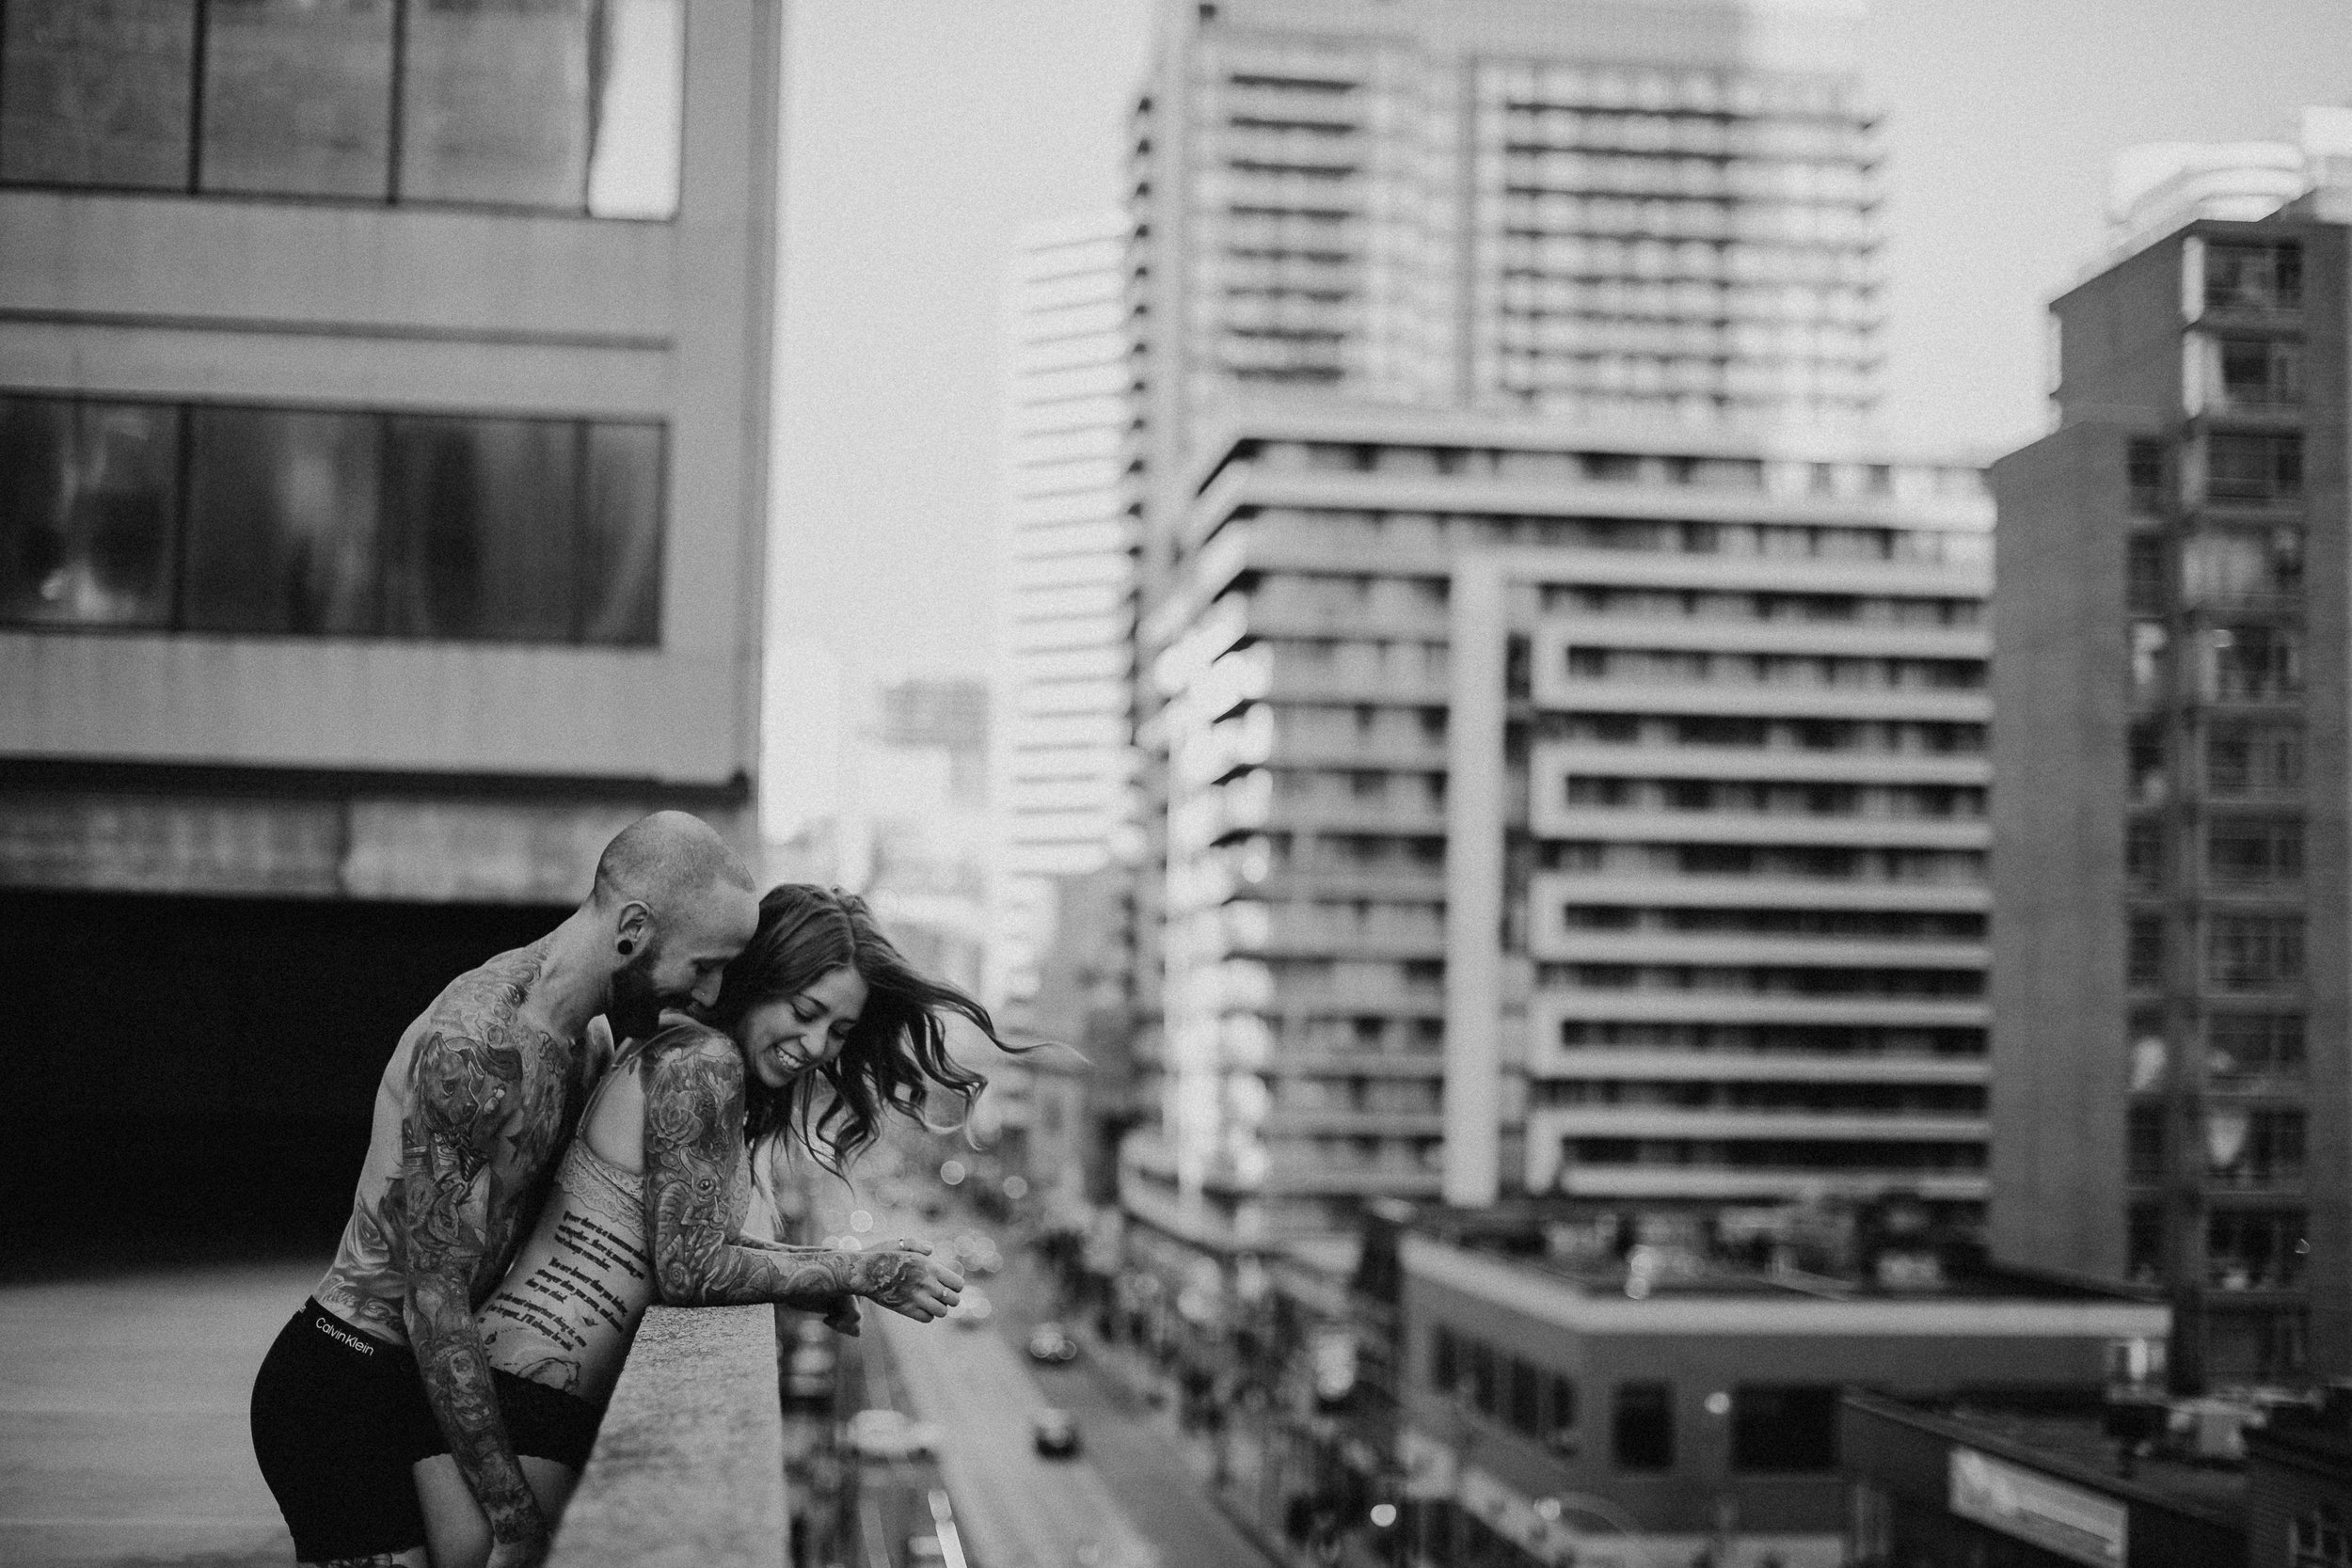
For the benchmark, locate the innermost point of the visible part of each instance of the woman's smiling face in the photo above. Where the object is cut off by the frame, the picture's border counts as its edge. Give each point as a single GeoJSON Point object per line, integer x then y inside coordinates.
{"type": "Point", "coordinates": [783, 1038]}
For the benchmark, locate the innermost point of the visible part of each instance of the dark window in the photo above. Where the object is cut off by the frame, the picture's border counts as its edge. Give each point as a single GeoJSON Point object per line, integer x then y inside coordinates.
{"type": "Point", "coordinates": [2243, 850]}
{"type": "Point", "coordinates": [1481, 1376]}
{"type": "Point", "coordinates": [2143, 470]}
{"type": "Point", "coordinates": [2254, 276]}
{"type": "Point", "coordinates": [2143, 1244]}
{"type": "Point", "coordinates": [2255, 468]}
{"type": "Point", "coordinates": [313, 523]}
{"type": "Point", "coordinates": [2256, 663]}
{"type": "Point", "coordinates": [568, 105]}
{"type": "Point", "coordinates": [2260, 373]}
{"type": "Point", "coordinates": [2243, 759]}
{"type": "Point", "coordinates": [2143, 1143]}
{"type": "Point", "coordinates": [2143, 954]}
{"type": "Point", "coordinates": [1642, 1427]}
{"type": "Point", "coordinates": [297, 97]}
{"type": "Point", "coordinates": [96, 92]}
{"type": "Point", "coordinates": [89, 512]}
{"type": "Point", "coordinates": [2255, 1249]}
{"type": "Point", "coordinates": [1784, 1428]}
{"type": "Point", "coordinates": [2247, 1048]}
{"type": "Point", "coordinates": [2247, 952]}
{"type": "Point", "coordinates": [1524, 1410]}
{"type": "Point", "coordinates": [1559, 1410]}
{"type": "Point", "coordinates": [1445, 1365]}
{"type": "Point", "coordinates": [2143, 565]}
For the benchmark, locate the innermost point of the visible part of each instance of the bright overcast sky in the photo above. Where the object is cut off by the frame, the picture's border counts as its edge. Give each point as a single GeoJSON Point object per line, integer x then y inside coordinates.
{"type": "Point", "coordinates": [922, 133]}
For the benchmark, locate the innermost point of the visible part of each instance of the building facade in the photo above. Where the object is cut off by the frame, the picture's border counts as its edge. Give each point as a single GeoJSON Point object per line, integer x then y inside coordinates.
{"type": "Point", "coordinates": [1592, 811]}
{"type": "Point", "coordinates": [2170, 1092]}
{"type": "Point", "coordinates": [1066, 607]}
{"type": "Point", "coordinates": [1652, 1409]}
{"type": "Point", "coordinates": [385, 395]}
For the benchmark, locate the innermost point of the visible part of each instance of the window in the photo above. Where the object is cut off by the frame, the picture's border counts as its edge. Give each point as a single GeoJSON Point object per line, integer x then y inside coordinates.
{"type": "Point", "coordinates": [89, 512]}
{"type": "Point", "coordinates": [1445, 1364]}
{"type": "Point", "coordinates": [2255, 1249]}
{"type": "Point", "coordinates": [2240, 851]}
{"type": "Point", "coordinates": [1784, 1428]}
{"type": "Point", "coordinates": [2253, 468]}
{"type": "Point", "coordinates": [2247, 952]}
{"type": "Point", "coordinates": [2246, 760]}
{"type": "Point", "coordinates": [2253, 1148]}
{"type": "Point", "coordinates": [2255, 663]}
{"type": "Point", "coordinates": [1481, 1376]}
{"type": "Point", "coordinates": [1559, 1412]}
{"type": "Point", "coordinates": [2258, 373]}
{"type": "Point", "coordinates": [1523, 1409]}
{"type": "Point", "coordinates": [272, 521]}
{"type": "Point", "coordinates": [2143, 955]}
{"type": "Point", "coordinates": [564, 105]}
{"type": "Point", "coordinates": [2144, 573]}
{"type": "Point", "coordinates": [1642, 1427]}
{"type": "Point", "coordinates": [2253, 276]}
{"type": "Point", "coordinates": [2144, 472]}
{"type": "Point", "coordinates": [2143, 1143]}
{"type": "Point", "coordinates": [2243, 1048]}
{"type": "Point", "coordinates": [2319, 1539]}
{"type": "Point", "coordinates": [2143, 1244]}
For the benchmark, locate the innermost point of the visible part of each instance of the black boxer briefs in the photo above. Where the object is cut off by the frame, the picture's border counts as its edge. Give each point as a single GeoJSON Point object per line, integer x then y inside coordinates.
{"type": "Point", "coordinates": [339, 1418]}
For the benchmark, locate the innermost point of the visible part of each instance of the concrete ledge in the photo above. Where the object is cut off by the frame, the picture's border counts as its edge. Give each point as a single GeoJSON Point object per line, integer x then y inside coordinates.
{"type": "Point", "coordinates": [689, 1469]}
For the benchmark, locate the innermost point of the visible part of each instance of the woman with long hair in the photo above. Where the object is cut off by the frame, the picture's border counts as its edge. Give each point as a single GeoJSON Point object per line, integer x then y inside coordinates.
{"type": "Point", "coordinates": [822, 1029]}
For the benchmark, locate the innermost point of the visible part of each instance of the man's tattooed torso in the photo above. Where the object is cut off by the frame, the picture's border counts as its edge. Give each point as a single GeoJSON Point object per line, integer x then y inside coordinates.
{"type": "Point", "coordinates": [471, 1054]}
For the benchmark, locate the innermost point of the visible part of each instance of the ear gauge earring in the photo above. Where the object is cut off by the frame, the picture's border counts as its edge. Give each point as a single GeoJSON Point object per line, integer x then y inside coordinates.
{"type": "Point", "coordinates": [626, 947]}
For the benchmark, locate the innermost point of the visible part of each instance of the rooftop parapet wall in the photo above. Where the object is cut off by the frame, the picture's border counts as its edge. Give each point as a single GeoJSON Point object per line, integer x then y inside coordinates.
{"type": "Point", "coordinates": [689, 1469]}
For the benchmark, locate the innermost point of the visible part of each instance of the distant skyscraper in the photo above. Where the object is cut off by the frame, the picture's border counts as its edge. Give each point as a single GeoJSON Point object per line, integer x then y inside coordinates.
{"type": "Point", "coordinates": [2172, 1100]}
{"type": "Point", "coordinates": [1066, 602]}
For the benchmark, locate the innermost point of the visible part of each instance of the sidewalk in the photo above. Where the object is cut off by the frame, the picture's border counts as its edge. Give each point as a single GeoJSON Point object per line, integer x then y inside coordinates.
{"type": "Point", "coordinates": [123, 1436]}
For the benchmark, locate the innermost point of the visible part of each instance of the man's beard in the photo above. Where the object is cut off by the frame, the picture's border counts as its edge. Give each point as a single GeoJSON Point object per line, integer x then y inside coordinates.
{"type": "Point", "coordinates": [635, 1011]}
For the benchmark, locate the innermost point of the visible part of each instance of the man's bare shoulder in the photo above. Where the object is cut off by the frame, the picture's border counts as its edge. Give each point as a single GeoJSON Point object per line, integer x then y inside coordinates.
{"type": "Point", "coordinates": [482, 1003]}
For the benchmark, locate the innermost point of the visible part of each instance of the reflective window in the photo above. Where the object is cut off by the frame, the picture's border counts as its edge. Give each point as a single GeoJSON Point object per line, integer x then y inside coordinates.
{"type": "Point", "coordinates": [303, 522]}
{"type": "Point", "coordinates": [297, 97]}
{"type": "Point", "coordinates": [87, 511]}
{"type": "Point", "coordinates": [284, 530]}
{"type": "Point", "coordinates": [543, 104]}
{"type": "Point", "coordinates": [96, 92]}
{"type": "Point", "coordinates": [1642, 1427]}
{"type": "Point", "coordinates": [560, 105]}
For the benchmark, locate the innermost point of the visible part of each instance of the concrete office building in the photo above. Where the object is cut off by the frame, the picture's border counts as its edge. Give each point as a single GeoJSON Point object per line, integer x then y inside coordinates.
{"type": "Point", "coordinates": [1584, 811]}
{"type": "Point", "coordinates": [2172, 1099]}
{"type": "Point", "coordinates": [383, 454]}
{"type": "Point", "coordinates": [1066, 604]}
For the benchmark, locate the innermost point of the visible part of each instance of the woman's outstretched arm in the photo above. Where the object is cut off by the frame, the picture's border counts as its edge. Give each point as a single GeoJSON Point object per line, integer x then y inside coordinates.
{"type": "Point", "coordinates": [694, 1144]}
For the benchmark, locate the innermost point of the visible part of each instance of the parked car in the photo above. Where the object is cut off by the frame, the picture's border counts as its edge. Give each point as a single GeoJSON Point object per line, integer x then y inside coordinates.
{"type": "Point", "coordinates": [1055, 1432]}
{"type": "Point", "coordinates": [1050, 1345]}
{"type": "Point", "coordinates": [882, 1433]}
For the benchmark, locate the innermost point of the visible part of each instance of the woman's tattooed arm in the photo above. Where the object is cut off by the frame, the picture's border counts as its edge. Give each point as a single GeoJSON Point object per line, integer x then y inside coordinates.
{"type": "Point", "coordinates": [693, 1142]}
{"type": "Point", "coordinates": [465, 1091]}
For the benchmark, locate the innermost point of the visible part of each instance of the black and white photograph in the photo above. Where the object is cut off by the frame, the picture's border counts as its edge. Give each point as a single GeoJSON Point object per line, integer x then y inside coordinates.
{"type": "Point", "coordinates": [1176, 784]}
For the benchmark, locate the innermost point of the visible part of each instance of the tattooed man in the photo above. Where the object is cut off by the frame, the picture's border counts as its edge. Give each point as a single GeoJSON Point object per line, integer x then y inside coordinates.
{"type": "Point", "coordinates": [384, 1365]}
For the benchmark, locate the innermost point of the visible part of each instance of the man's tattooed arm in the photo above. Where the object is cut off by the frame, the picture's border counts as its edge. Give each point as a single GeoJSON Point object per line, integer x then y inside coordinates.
{"type": "Point", "coordinates": [693, 1142]}
{"type": "Point", "coordinates": [464, 1091]}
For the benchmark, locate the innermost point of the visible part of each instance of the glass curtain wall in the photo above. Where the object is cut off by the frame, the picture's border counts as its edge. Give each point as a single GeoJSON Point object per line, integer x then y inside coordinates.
{"type": "Point", "coordinates": [552, 105]}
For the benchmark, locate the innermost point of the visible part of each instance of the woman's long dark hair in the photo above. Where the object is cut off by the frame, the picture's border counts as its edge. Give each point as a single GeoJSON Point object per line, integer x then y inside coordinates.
{"type": "Point", "coordinates": [894, 1056]}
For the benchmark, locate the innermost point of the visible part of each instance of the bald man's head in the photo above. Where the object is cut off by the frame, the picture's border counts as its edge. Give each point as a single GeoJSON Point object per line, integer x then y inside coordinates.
{"type": "Point", "coordinates": [678, 904]}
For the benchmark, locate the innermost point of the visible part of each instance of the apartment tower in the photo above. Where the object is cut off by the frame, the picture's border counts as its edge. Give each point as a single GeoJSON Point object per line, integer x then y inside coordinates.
{"type": "Point", "coordinates": [1563, 222]}
{"type": "Point", "coordinates": [2170, 1097]}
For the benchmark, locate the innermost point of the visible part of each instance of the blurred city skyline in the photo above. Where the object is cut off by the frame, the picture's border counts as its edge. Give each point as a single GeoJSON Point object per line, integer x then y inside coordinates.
{"type": "Point", "coordinates": [2002, 122]}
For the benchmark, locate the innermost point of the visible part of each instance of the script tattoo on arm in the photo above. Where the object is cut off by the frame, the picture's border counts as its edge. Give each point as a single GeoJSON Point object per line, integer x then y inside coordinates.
{"type": "Point", "coordinates": [464, 1090]}
{"type": "Point", "coordinates": [693, 1142]}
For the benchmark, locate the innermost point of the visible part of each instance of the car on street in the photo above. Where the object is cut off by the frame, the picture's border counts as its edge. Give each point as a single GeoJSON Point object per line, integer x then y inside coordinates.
{"type": "Point", "coordinates": [1055, 1432]}
{"type": "Point", "coordinates": [884, 1434]}
{"type": "Point", "coordinates": [1050, 1345]}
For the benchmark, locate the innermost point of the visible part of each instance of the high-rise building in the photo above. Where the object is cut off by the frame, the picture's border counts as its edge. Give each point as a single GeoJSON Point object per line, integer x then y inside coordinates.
{"type": "Point", "coordinates": [1582, 811]}
{"type": "Point", "coordinates": [1556, 219]}
{"type": "Point", "coordinates": [382, 487]}
{"type": "Point", "coordinates": [2163, 185]}
{"type": "Point", "coordinates": [2171, 1093]}
{"type": "Point", "coordinates": [1066, 604]}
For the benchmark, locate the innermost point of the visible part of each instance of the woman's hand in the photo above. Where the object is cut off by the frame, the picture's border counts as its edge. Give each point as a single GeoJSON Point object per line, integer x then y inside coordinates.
{"type": "Point", "coordinates": [907, 1281]}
